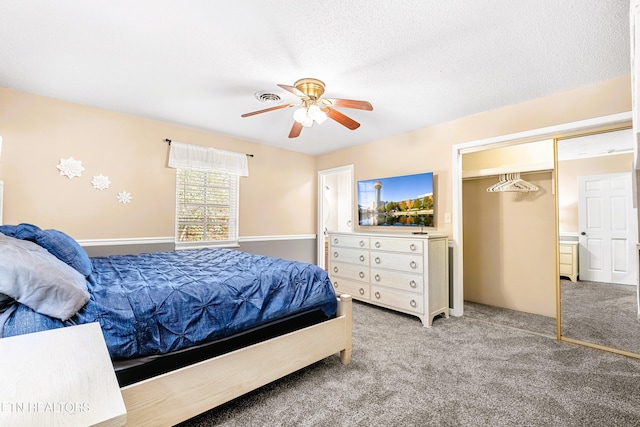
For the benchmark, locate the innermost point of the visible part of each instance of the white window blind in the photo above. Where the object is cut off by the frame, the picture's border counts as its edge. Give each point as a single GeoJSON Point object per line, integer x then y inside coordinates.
{"type": "Point", "coordinates": [206, 208]}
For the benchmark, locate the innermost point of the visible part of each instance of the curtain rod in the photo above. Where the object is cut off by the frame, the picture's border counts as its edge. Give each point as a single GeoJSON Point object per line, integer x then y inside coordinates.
{"type": "Point", "coordinates": [167, 140]}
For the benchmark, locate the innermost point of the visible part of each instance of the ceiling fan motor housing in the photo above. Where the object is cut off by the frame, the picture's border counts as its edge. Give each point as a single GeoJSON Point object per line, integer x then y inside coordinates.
{"type": "Point", "coordinates": [313, 88]}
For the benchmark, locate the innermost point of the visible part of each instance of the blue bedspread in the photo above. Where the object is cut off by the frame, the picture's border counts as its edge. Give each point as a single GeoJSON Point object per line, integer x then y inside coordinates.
{"type": "Point", "coordinates": [160, 302]}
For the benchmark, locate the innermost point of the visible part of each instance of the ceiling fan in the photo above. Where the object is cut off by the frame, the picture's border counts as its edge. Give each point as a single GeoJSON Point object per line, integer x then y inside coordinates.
{"type": "Point", "coordinates": [314, 108]}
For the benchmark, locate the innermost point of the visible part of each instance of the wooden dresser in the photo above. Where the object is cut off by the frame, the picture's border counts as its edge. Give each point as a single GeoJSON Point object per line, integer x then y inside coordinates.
{"type": "Point", "coordinates": [569, 260]}
{"type": "Point", "coordinates": [403, 272]}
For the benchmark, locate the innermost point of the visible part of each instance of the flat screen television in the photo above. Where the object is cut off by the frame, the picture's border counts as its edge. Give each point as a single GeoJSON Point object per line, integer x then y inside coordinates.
{"type": "Point", "coordinates": [398, 201]}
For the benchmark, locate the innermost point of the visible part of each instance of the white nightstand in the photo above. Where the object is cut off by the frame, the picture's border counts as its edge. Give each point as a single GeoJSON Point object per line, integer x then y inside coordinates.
{"type": "Point", "coordinates": [61, 377]}
{"type": "Point", "coordinates": [569, 260]}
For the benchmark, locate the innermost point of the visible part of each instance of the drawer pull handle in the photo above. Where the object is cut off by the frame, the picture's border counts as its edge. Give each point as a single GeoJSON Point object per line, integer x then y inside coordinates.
{"type": "Point", "coordinates": [335, 284]}
{"type": "Point", "coordinates": [335, 241]}
{"type": "Point", "coordinates": [361, 275]}
{"type": "Point", "coordinates": [335, 254]}
{"type": "Point", "coordinates": [413, 303]}
{"type": "Point", "coordinates": [412, 247]}
{"type": "Point", "coordinates": [377, 277]}
{"type": "Point", "coordinates": [361, 291]}
{"type": "Point", "coordinates": [361, 243]}
{"type": "Point", "coordinates": [362, 258]}
{"type": "Point", "coordinates": [377, 260]}
{"type": "Point", "coordinates": [335, 269]}
{"type": "Point", "coordinates": [377, 294]}
{"type": "Point", "coordinates": [377, 244]}
{"type": "Point", "coordinates": [413, 284]}
{"type": "Point", "coordinates": [413, 265]}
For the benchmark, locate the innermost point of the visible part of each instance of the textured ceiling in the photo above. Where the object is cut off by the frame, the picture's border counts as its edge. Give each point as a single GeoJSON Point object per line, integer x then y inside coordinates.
{"type": "Point", "coordinates": [199, 63]}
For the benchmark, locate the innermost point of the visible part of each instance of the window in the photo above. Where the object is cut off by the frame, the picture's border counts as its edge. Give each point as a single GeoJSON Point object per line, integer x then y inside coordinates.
{"type": "Point", "coordinates": [206, 208]}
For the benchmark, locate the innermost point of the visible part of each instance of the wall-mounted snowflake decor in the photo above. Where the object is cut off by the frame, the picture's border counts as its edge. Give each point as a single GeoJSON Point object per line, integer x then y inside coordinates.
{"type": "Point", "coordinates": [100, 182]}
{"type": "Point", "coordinates": [70, 167]}
{"type": "Point", "coordinates": [124, 197]}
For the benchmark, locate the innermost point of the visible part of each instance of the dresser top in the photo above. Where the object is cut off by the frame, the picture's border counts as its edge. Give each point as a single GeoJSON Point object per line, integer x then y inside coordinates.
{"type": "Point", "coordinates": [394, 235]}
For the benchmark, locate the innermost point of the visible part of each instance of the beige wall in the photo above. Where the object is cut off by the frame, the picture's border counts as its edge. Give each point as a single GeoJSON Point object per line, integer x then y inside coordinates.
{"type": "Point", "coordinates": [509, 245]}
{"type": "Point", "coordinates": [278, 198]}
{"type": "Point", "coordinates": [430, 149]}
{"type": "Point", "coordinates": [568, 173]}
{"type": "Point", "coordinates": [531, 156]}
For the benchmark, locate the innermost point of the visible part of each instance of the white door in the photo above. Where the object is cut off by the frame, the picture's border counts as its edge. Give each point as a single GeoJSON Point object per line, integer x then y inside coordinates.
{"type": "Point", "coordinates": [608, 229]}
{"type": "Point", "coordinates": [335, 204]}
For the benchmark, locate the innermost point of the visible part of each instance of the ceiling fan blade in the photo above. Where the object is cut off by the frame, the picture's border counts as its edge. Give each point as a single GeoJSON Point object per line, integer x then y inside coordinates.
{"type": "Point", "coordinates": [341, 118]}
{"type": "Point", "coordinates": [294, 90]}
{"type": "Point", "coordinates": [350, 103]}
{"type": "Point", "coordinates": [295, 130]}
{"type": "Point", "coordinates": [266, 110]}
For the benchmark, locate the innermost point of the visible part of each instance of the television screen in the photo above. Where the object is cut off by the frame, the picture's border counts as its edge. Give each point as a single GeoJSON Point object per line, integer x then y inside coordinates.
{"type": "Point", "coordinates": [397, 201]}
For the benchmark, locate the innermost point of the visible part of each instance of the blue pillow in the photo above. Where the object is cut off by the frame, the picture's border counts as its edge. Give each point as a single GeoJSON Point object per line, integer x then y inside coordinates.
{"type": "Point", "coordinates": [65, 248]}
{"type": "Point", "coordinates": [21, 231]}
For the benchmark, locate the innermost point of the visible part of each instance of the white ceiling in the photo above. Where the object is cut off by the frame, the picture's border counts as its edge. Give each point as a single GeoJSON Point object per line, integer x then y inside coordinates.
{"type": "Point", "coordinates": [199, 63]}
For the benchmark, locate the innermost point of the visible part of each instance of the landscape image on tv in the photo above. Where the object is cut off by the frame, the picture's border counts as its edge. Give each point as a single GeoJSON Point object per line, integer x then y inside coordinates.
{"type": "Point", "coordinates": [397, 201]}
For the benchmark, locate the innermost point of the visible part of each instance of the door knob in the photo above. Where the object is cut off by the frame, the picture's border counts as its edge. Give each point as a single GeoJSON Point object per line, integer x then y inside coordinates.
{"type": "Point", "coordinates": [583, 233]}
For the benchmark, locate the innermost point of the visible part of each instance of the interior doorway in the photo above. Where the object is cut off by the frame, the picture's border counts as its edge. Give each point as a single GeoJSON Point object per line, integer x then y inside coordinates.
{"type": "Point", "coordinates": [608, 225]}
{"type": "Point", "coordinates": [335, 206]}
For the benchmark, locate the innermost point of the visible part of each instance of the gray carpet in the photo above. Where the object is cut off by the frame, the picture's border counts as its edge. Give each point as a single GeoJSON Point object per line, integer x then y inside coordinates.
{"type": "Point", "coordinates": [601, 313]}
{"type": "Point", "coordinates": [461, 372]}
{"type": "Point", "coordinates": [535, 323]}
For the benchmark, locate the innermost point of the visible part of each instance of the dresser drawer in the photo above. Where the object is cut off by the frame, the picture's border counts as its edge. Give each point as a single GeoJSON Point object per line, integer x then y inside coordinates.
{"type": "Point", "coordinates": [397, 280]}
{"type": "Point", "coordinates": [566, 248]}
{"type": "Point", "coordinates": [350, 241]}
{"type": "Point", "coordinates": [404, 301]}
{"type": "Point", "coordinates": [349, 271]}
{"type": "Point", "coordinates": [354, 256]}
{"type": "Point", "coordinates": [397, 261]}
{"type": "Point", "coordinates": [397, 245]}
{"type": "Point", "coordinates": [566, 270]}
{"type": "Point", "coordinates": [357, 290]}
{"type": "Point", "coordinates": [566, 258]}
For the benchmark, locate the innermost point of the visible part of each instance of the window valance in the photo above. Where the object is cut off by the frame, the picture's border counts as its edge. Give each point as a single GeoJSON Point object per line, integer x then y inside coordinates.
{"type": "Point", "coordinates": [197, 157]}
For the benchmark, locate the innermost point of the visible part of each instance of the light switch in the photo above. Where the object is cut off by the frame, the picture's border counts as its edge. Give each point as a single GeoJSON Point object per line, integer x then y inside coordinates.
{"type": "Point", "coordinates": [447, 218]}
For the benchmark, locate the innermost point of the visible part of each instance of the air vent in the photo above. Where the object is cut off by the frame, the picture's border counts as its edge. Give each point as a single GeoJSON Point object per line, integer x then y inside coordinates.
{"type": "Point", "coordinates": [267, 96]}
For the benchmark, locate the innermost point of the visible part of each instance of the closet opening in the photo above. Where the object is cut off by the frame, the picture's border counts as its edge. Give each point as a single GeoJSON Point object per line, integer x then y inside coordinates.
{"type": "Point", "coordinates": [509, 241]}
{"type": "Point", "coordinates": [508, 204]}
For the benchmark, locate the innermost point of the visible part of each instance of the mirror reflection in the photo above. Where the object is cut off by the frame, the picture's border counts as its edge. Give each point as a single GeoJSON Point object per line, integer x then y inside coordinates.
{"type": "Point", "coordinates": [598, 240]}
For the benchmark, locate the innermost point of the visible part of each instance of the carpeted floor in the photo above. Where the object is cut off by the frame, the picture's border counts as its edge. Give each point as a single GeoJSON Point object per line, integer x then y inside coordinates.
{"type": "Point", "coordinates": [461, 372]}
{"type": "Point", "coordinates": [601, 313]}
{"type": "Point", "coordinates": [535, 323]}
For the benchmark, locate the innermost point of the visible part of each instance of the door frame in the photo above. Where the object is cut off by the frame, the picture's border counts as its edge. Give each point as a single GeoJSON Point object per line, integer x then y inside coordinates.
{"type": "Point", "coordinates": [582, 126]}
{"type": "Point", "coordinates": [320, 258]}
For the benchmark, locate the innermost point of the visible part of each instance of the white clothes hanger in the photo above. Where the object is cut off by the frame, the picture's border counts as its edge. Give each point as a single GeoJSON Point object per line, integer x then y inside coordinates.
{"type": "Point", "coordinates": [511, 182]}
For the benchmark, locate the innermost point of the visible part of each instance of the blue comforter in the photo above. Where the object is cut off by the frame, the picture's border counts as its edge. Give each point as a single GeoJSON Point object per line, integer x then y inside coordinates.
{"type": "Point", "coordinates": [160, 302]}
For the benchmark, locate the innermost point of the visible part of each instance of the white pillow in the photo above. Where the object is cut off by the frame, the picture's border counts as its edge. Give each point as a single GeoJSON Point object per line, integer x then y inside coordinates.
{"type": "Point", "coordinates": [34, 277]}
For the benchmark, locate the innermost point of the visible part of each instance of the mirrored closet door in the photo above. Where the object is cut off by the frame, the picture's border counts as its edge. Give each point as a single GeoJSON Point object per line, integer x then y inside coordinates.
{"type": "Point", "coordinates": [598, 234]}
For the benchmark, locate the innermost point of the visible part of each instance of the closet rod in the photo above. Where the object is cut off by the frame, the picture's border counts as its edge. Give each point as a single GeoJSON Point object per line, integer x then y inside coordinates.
{"type": "Point", "coordinates": [168, 141]}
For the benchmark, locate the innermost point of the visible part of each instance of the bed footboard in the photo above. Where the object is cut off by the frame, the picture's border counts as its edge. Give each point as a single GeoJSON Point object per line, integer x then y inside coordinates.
{"type": "Point", "coordinates": [184, 393]}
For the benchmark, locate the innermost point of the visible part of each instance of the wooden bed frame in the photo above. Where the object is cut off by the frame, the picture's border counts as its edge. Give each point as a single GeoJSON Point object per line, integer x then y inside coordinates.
{"type": "Point", "coordinates": [178, 395]}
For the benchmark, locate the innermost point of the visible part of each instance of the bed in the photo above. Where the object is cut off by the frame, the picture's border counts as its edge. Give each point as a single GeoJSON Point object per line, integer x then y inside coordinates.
{"type": "Point", "coordinates": [186, 330]}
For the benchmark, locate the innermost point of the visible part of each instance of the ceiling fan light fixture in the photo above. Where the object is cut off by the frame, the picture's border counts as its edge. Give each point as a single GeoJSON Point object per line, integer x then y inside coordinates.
{"type": "Point", "coordinates": [307, 122]}
{"type": "Point", "coordinates": [317, 114]}
{"type": "Point", "coordinates": [312, 107]}
{"type": "Point", "coordinates": [300, 115]}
